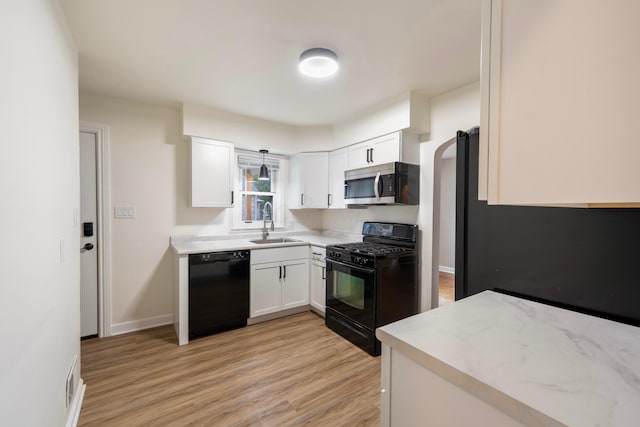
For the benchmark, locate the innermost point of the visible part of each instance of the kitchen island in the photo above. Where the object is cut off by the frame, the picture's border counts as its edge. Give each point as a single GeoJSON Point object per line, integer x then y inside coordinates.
{"type": "Point", "coordinates": [496, 360]}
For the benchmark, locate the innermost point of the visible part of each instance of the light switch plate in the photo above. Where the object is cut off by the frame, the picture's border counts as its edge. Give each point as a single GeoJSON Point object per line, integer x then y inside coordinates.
{"type": "Point", "coordinates": [124, 212]}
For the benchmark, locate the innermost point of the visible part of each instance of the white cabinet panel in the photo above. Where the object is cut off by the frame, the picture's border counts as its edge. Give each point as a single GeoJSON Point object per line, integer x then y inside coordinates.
{"type": "Point", "coordinates": [309, 181]}
{"type": "Point", "coordinates": [395, 147]}
{"type": "Point", "coordinates": [212, 165]}
{"type": "Point", "coordinates": [266, 293]}
{"type": "Point", "coordinates": [338, 163]}
{"type": "Point", "coordinates": [415, 396]}
{"type": "Point", "coordinates": [295, 283]}
{"type": "Point", "coordinates": [385, 149]}
{"type": "Point", "coordinates": [279, 285]}
{"type": "Point", "coordinates": [558, 99]}
{"type": "Point", "coordinates": [317, 279]}
{"type": "Point", "coordinates": [359, 155]}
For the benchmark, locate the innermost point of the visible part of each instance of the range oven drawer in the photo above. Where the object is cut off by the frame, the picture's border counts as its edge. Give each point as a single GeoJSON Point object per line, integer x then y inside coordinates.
{"type": "Point", "coordinates": [355, 333]}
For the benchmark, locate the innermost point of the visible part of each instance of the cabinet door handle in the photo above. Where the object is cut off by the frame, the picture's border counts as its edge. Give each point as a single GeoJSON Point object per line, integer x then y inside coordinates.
{"type": "Point", "coordinates": [285, 272]}
{"type": "Point", "coordinates": [368, 150]}
{"type": "Point", "coordinates": [280, 275]}
{"type": "Point", "coordinates": [231, 197]}
{"type": "Point", "coordinates": [324, 273]}
{"type": "Point", "coordinates": [328, 199]}
{"type": "Point", "coordinates": [301, 199]}
{"type": "Point", "coordinates": [371, 155]}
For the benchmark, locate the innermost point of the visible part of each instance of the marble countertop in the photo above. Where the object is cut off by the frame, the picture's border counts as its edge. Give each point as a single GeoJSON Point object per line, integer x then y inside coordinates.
{"type": "Point", "coordinates": [540, 364]}
{"type": "Point", "coordinates": [183, 245]}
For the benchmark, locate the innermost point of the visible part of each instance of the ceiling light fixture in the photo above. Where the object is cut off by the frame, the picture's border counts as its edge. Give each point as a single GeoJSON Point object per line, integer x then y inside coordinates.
{"type": "Point", "coordinates": [318, 62]}
{"type": "Point", "coordinates": [264, 171]}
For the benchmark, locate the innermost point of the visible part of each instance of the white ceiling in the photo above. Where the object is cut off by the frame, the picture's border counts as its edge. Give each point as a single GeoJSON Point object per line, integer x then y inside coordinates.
{"type": "Point", "coordinates": [241, 55]}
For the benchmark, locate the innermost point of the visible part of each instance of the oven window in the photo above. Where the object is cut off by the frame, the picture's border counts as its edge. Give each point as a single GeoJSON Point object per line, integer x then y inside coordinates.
{"type": "Point", "coordinates": [349, 289]}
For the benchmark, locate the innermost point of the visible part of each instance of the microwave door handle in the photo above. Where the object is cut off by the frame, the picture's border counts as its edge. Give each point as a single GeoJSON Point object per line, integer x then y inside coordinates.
{"type": "Point", "coordinates": [375, 186]}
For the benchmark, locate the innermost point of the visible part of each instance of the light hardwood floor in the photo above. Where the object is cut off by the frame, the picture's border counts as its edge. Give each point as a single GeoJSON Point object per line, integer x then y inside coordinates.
{"type": "Point", "coordinates": [287, 372]}
{"type": "Point", "coordinates": [446, 289]}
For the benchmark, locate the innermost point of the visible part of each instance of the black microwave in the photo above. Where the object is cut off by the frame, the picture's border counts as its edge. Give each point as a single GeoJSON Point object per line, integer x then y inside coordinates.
{"type": "Point", "coordinates": [394, 183]}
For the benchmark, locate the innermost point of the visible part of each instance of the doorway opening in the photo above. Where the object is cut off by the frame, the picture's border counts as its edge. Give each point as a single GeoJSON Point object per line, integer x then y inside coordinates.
{"type": "Point", "coordinates": [94, 230]}
{"type": "Point", "coordinates": [446, 267]}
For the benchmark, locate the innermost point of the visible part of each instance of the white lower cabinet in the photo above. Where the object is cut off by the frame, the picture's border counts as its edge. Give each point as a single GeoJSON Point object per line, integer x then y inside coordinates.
{"type": "Point", "coordinates": [295, 283]}
{"type": "Point", "coordinates": [279, 279]}
{"type": "Point", "coordinates": [266, 294]}
{"type": "Point", "coordinates": [318, 279]}
{"type": "Point", "coordinates": [414, 396]}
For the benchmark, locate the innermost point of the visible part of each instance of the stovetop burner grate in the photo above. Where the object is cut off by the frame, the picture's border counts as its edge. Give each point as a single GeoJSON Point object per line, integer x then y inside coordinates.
{"type": "Point", "coordinates": [368, 248]}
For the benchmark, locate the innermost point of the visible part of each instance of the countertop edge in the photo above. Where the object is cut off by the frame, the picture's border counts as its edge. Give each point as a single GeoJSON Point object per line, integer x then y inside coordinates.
{"type": "Point", "coordinates": [181, 247]}
{"type": "Point", "coordinates": [488, 394]}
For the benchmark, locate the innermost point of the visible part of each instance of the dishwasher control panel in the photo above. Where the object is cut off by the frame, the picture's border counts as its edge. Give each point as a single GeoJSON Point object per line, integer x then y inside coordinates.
{"type": "Point", "coordinates": [220, 256]}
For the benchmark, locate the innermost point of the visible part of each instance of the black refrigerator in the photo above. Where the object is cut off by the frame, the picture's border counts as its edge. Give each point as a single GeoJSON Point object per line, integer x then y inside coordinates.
{"type": "Point", "coordinates": [586, 260]}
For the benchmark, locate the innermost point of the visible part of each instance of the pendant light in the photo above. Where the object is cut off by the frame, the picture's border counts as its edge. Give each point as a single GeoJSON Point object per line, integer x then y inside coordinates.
{"type": "Point", "coordinates": [264, 171]}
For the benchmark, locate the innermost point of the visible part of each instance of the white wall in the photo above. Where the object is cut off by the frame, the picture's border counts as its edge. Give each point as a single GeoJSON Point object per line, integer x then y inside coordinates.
{"type": "Point", "coordinates": [149, 170]}
{"type": "Point", "coordinates": [450, 112]}
{"type": "Point", "coordinates": [405, 111]}
{"type": "Point", "coordinates": [448, 214]}
{"type": "Point", "coordinates": [39, 186]}
{"type": "Point", "coordinates": [251, 133]}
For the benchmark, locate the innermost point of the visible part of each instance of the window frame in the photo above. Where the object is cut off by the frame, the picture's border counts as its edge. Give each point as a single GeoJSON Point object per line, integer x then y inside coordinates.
{"type": "Point", "coordinates": [278, 192]}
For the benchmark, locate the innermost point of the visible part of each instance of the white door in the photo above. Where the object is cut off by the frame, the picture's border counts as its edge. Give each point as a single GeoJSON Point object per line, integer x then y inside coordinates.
{"type": "Point", "coordinates": [318, 289]}
{"type": "Point", "coordinates": [314, 170]}
{"type": "Point", "coordinates": [385, 149]}
{"type": "Point", "coordinates": [359, 155]}
{"type": "Point", "coordinates": [295, 283]}
{"type": "Point", "coordinates": [266, 288]}
{"type": "Point", "coordinates": [88, 236]}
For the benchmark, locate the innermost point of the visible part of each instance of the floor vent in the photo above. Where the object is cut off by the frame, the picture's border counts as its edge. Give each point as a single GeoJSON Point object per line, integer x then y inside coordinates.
{"type": "Point", "coordinates": [71, 381]}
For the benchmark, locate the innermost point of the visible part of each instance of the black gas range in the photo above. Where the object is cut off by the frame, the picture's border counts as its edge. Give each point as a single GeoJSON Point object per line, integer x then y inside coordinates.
{"type": "Point", "coordinates": [373, 282]}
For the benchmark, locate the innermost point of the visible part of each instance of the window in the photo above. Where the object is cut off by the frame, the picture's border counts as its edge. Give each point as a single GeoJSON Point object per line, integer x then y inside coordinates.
{"type": "Point", "coordinates": [251, 206]}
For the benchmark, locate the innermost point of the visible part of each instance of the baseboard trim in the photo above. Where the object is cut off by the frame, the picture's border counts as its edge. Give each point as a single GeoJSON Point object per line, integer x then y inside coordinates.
{"type": "Point", "coordinates": [278, 314]}
{"type": "Point", "coordinates": [138, 325]}
{"type": "Point", "coordinates": [446, 269]}
{"type": "Point", "coordinates": [76, 405]}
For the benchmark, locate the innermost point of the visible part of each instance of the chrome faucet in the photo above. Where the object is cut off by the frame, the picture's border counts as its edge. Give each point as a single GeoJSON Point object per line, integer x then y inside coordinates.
{"type": "Point", "coordinates": [265, 233]}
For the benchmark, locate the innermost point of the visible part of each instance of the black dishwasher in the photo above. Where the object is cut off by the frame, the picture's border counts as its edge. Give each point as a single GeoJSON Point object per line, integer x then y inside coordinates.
{"type": "Point", "coordinates": [218, 292]}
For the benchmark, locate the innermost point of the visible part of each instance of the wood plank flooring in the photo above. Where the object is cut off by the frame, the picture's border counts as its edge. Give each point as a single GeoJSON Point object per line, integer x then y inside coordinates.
{"type": "Point", "coordinates": [446, 289]}
{"type": "Point", "coordinates": [287, 372]}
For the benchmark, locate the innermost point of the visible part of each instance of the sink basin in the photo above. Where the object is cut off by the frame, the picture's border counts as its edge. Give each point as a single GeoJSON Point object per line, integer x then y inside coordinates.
{"type": "Point", "coordinates": [275, 240]}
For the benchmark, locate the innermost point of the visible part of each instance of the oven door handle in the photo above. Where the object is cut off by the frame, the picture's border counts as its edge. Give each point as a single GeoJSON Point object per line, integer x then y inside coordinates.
{"type": "Point", "coordinates": [351, 266]}
{"type": "Point", "coordinates": [376, 182]}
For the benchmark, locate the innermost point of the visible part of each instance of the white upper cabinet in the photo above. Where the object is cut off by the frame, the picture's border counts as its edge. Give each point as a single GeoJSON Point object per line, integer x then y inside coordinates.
{"type": "Point", "coordinates": [338, 163]}
{"type": "Point", "coordinates": [394, 147]}
{"type": "Point", "coordinates": [212, 165]}
{"type": "Point", "coordinates": [309, 181]}
{"type": "Point", "coordinates": [560, 92]}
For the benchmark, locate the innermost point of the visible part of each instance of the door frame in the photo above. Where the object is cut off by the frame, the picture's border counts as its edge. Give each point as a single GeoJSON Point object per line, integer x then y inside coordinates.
{"type": "Point", "coordinates": [103, 228]}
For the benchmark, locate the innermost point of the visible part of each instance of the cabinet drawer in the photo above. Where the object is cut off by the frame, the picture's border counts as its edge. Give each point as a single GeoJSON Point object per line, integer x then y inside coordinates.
{"type": "Point", "coordinates": [259, 256]}
{"type": "Point", "coordinates": [318, 253]}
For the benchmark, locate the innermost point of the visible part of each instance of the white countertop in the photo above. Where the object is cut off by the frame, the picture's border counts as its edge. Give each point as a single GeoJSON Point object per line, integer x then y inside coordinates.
{"type": "Point", "coordinates": [540, 364]}
{"type": "Point", "coordinates": [183, 245]}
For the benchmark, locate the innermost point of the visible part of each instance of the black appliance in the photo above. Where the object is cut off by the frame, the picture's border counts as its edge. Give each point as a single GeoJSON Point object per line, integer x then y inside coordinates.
{"type": "Point", "coordinates": [218, 292]}
{"type": "Point", "coordinates": [385, 184]}
{"type": "Point", "coordinates": [372, 283]}
{"type": "Point", "coordinates": [581, 259]}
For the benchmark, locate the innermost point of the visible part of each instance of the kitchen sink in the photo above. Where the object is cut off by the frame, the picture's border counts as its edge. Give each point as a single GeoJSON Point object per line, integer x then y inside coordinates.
{"type": "Point", "coordinates": [275, 240]}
